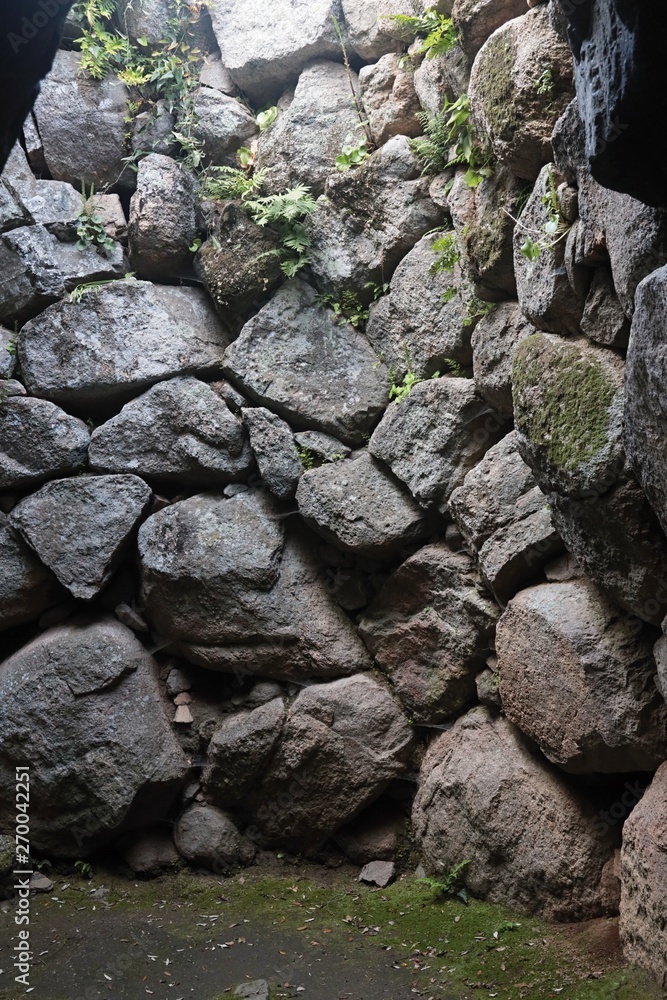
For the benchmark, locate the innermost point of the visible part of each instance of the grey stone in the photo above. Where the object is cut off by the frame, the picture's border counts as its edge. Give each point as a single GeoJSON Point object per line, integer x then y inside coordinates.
{"type": "Point", "coordinates": [477, 19]}
{"type": "Point", "coordinates": [178, 681]}
{"type": "Point", "coordinates": [72, 104]}
{"type": "Point", "coordinates": [358, 506]}
{"type": "Point", "coordinates": [27, 588]}
{"type": "Point", "coordinates": [162, 219]}
{"type": "Point", "coordinates": [144, 19]}
{"type": "Point", "coordinates": [604, 320]}
{"type": "Point", "coordinates": [488, 694]}
{"type": "Point", "coordinates": [494, 341]}
{"type": "Point", "coordinates": [109, 210]}
{"type": "Point", "coordinates": [152, 131]}
{"type": "Point", "coordinates": [207, 837]}
{"type": "Point", "coordinates": [430, 630]}
{"type": "Point", "coordinates": [255, 606]}
{"type": "Point", "coordinates": [150, 853]}
{"type": "Point", "coordinates": [554, 868]}
{"type": "Point", "coordinates": [223, 125]}
{"type": "Point", "coordinates": [326, 447]}
{"type": "Point", "coordinates": [294, 358]}
{"type": "Point", "coordinates": [119, 340]}
{"type": "Point", "coordinates": [420, 325]}
{"type": "Point", "coordinates": [380, 873]}
{"type": "Point", "coordinates": [7, 354]}
{"type": "Point", "coordinates": [605, 714]}
{"type": "Point", "coordinates": [372, 216]}
{"type": "Point", "coordinates": [378, 834]}
{"type": "Point", "coordinates": [240, 751]}
{"type": "Point", "coordinates": [369, 32]}
{"type": "Point", "coordinates": [81, 527]}
{"type": "Point", "coordinates": [257, 990]}
{"type": "Point", "coordinates": [434, 436]}
{"type": "Point", "coordinates": [509, 107]}
{"type": "Point", "coordinates": [38, 269]}
{"type": "Point", "coordinates": [13, 212]}
{"type": "Point", "coordinates": [389, 99]}
{"type": "Point", "coordinates": [516, 553]}
{"type": "Point", "coordinates": [215, 74]}
{"type": "Point", "coordinates": [38, 441]}
{"type": "Point", "coordinates": [316, 120]}
{"type": "Point", "coordinates": [43, 202]}
{"type": "Point", "coordinates": [277, 455]}
{"type": "Point", "coordinates": [82, 704]}
{"type": "Point", "coordinates": [180, 430]}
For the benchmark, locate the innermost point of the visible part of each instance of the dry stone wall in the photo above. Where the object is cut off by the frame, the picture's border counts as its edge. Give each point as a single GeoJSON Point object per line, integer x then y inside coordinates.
{"type": "Point", "coordinates": [274, 539]}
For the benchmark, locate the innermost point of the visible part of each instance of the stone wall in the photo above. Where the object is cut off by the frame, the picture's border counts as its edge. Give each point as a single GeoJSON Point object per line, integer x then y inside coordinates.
{"type": "Point", "coordinates": [292, 561]}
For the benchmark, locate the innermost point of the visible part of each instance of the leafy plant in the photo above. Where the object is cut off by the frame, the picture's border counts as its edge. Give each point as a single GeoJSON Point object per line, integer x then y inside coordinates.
{"type": "Point", "coordinates": [450, 884]}
{"type": "Point", "coordinates": [90, 228]}
{"type": "Point", "coordinates": [84, 868]}
{"type": "Point", "coordinates": [452, 127]}
{"type": "Point", "coordinates": [348, 308]}
{"type": "Point", "coordinates": [400, 390]}
{"type": "Point", "coordinates": [545, 82]}
{"type": "Point", "coordinates": [552, 231]}
{"type": "Point", "coordinates": [448, 253]}
{"type": "Point", "coordinates": [437, 31]}
{"type": "Point", "coordinates": [454, 368]}
{"type": "Point", "coordinates": [308, 458]}
{"type": "Point", "coordinates": [352, 154]}
{"type": "Point", "coordinates": [266, 118]}
{"type": "Point", "coordinates": [285, 214]}
{"type": "Point", "coordinates": [77, 294]}
{"type": "Point", "coordinates": [230, 183]}
{"type": "Point", "coordinates": [477, 309]}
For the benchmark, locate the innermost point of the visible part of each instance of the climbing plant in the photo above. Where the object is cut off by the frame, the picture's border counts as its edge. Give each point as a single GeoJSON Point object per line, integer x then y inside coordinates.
{"type": "Point", "coordinates": [453, 128]}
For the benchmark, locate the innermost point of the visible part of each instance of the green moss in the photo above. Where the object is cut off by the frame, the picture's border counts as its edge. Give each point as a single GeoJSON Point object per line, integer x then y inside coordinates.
{"type": "Point", "coordinates": [561, 401]}
{"type": "Point", "coordinates": [495, 87]}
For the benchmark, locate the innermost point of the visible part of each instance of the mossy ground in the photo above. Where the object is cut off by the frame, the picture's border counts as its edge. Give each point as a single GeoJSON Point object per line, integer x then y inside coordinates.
{"type": "Point", "coordinates": [401, 941]}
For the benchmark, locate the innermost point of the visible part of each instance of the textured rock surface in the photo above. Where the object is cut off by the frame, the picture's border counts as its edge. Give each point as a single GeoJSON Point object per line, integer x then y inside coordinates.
{"type": "Point", "coordinates": [369, 35]}
{"type": "Point", "coordinates": [341, 744]}
{"type": "Point", "coordinates": [430, 630]}
{"type": "Point", "coordinates": [516, 858]}
{"type": "Point", "coordinates": [434, 436]}
{"type": "Point", "coordinates": [254, 605]}
{"type": "Point", "coordinates": [477, 19]}
{"type": "Point", "coordinates": [509, 107]}
{"type": "Point", "coordinates": [223, 124]}
{"type": "Point", "coordinates": [162, 219]}
{"type": "Point", "coordinates": [302, 145]}
{"type": "Point", "coordinates": [38, 441]}
{"type": "Point", "coordinates": [358, 506]}
{"type": "Point", "coordinates": [207, 837]}
{"type": "Point", "coordinates": [605, 714]}
{"type": "Point", "coordinates": [82, 704]}
{"type": "Point", "coordinates": [389, 99]}
{"type": "Point", "coordinates": [296, 359]}
{"type": "Point", "coordinates": [118, 340]}
{"type": "Point", "coordinates": [277, 455]}
{"type": "Point", "coordinates": [81, 527]}
{"type": "Point", "coordinates": [180, 430]}
{"type": "Point", "coordinates": [27, 588]}
{"type": "Point", "coordinates": [240, 751]}
{"type": "Point", "coordinates": [494, 341]}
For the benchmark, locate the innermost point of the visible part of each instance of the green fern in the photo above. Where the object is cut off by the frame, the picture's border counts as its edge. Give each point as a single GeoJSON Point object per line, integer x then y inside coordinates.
{"type": "Point", "coordinates": [437, 31]}
{"type": "Point", "coordinates": [453, 127]}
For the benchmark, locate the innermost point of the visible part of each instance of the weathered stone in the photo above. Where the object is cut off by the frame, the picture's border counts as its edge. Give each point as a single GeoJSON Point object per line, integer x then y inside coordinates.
{"type": "Point", "coordinates": [207, 837]}
{"type": "Point", "coordinates": [109, 210]}
{"type": "Point", "coordinates": [240, 751]}
{"type": "Point", "coordinates": [72, 104]}
{"type": "Point", "coordinates": [277, 455]}
{"type": "Point", "coordinates": [38, 441]}
{"type": "Point", "coordinates": [81, 527]}
{"type": "Point", "coordinates": [373, 215]}
{"type": "Point", "coordinates": [43, 202]}
{"type": "Point", "coordinates": [516, 113]}
{"type": "Point", "coordinates": [434, 436]}
{"type": "Point", "coordinates": [7, 354]}
{"type": "Point", "coordinates": [420, 325]}
{"type": "Point", "coordinates": [295, 358]}
{"type": "Point", "coordinates": [82, 704]}
{"type": "Point", "coordinates": [378, 834]}
{"type": "Point", "coordinates": [223, 125]}
{"type": "Point", "coordinates": [380, 873]}
{"type": "Point", "coordinates": [149, 853]}
{"type": "Point", "coordinates": [430, 630]}
{"type": "Point", "coordinates": [118, 340]}
{"type": "Point", "coordinates": [323, 445]}
{"type": "Point", "coordinates": [341, 745]}
{"type": "Point", "coordinates": [445, 76]}
{"type": "Point", "coordinates": [475, 20]}
{"type": "Point", "coordinates": [13, 212]}
{"type": "Point", "coordinates": [144, 19]}
{"type": "Point", "coordinates": [605, 714]}
{"type": "Point", "coordinates": [180, 430]}
{"type": "Point", "coordinates": [152, 131]}
{"type": "Point", "coordinates": [7, 854]}
{"type": "Point", "coordinates": [604, 320]}
{"type": "Point", "coordinates": [643, 880]}
{"type": "Point", "coordinates": [516, 553]}
{"type": "Point", "coordinates": [215, 74]}
{"type": "Point", "coordinates": [317, 118]}
{"type": "Point", "coordinates": [162, 219]}
{"type": "Point", "coordinates": [359, 507]}
{"type": "Point", "coordinates": [38, 269]}
{"type": "Point", "coordinates": [568, 408]}
{"type": "Point", "coordinates": [265, 46]}
{"type": "Point", "coordinates": [256, 605]}
{"type": "Point", "coordinates": [27, 588]}
{"type": "Point", "coordinates": [258, 989]}
{"type": "Point", "coordinates": [494, 341]}
{"type": "Point", "coordinates": [389, 99]}
{"type": "Point", "coordinates": [369, 28]}
{"type": "Point", "coordinates": [537, 849]}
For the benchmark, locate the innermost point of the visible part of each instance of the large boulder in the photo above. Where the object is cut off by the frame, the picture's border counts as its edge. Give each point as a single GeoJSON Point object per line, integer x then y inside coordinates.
{"type": "Point", "coordinates": [319, 374]}
{"type": "Point", "coordinates": [277, 455]}
{"type": "Point", "coordinates": [38, 268]}
{"type": "Point", "coordinates": [430, 630]}
{"type": "Point", "coordinates": [222, 125]}
{"type": "Point", "coordinates": [36, 201]}
{"type": "Point", "coordinates": [644, 878]}
{"type": "Point", "coordinates": [317, 117]}
{"type": "Point", "coordinates": [207, 837]}
{"type": "Point", "coordinates": [494, 341]}
{"type": "Point", "coordinates": [520, 84]}
{"type": "Point", "coordinates": [357, 506]}
{"type": "Point", "coordinates": [118, 340]}
{"type": "Point", "coordinates": [255, 604]}
{"type": "Point", "coordinates": [265, 46]}
{"type": "Point", "coordinates": [38, 441]}
{"type": "Point", "coordinates": [341, 745]}
{"type": "Point", "coordinates": [369, 31]}
{"type": "Point", "coordinates": [605, 714]}
{"type": "Point", "coordinates": [434, 436]}
{"type": "Point", "coordinates": [537, 849]}
{"type": "Point", "coordinates": [81, 705]}
{"type": "Point", "coordinates": [27, 587]}
{"type": "Point", "coordinates": [181, 431]}
{"type": "Point", "coordinates": [475, 20]}
{"type": "Point", "coordinates": [240, 751]}
{"type": "Point", "coordinates": [389, 99]}
{"type": "Point", "coordinates": [372, 216]}
{"type": "Point", "coordinates": [162, 219]}
{"type": "Point", "coordinates": [81, 527]}
{"type": "Point", "coordinates": [421, 325]}
{"type": "Point", "coordinates": [72, 104]}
